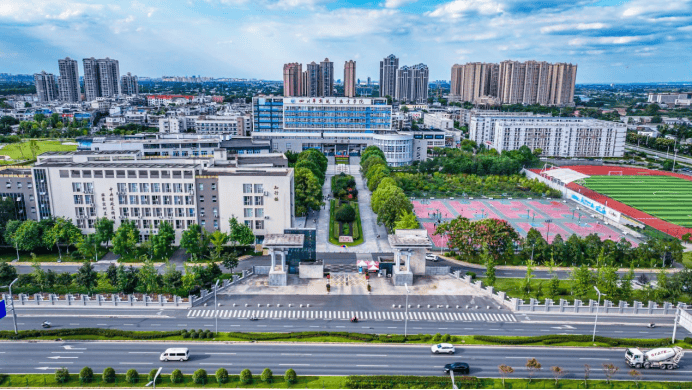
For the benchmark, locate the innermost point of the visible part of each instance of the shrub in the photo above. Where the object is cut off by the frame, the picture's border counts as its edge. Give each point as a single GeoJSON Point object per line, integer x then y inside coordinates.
{"type": "Point", "coordinates": [446, 337]}
{"type": "Point", "coordinates": [132, 375]}
{"type": "Point", "coordinates": [176, 376]}
{"type": "Point", "coordinates": [210, 335]}
{"type": "Point", "coordinates": [345, 213]}
{"type": "Point", "coordinates": [245, 376]}
{"type": "Point", "coordinates": [471, 274]}
{"type": "Point", "coordinates": [86, 375]}
{"type": "Point", "coordinates": [437, 337]}
{"type": "Point", "coordinates": [108, 375]}
{"type": "Point", "coordinates": [267, 375]}
{"type": "Point", "coordinates": [200, 376]}
{"type": "Point", "coordinates": [152, 374]}
{"type": "Point", "coordinates": [290, 376]}
{"type": "Point", "coordinates": [62, 375]}
{"type": "Point", "coordinates": [194, 335]}
{"type": "Point", "coordinates": [186, 335]}
{"type": "Point", "coordinates": [222, 375]}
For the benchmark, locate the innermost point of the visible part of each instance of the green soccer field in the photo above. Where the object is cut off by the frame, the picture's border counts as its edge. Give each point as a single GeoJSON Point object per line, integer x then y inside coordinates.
{"type": "Point", "coordinates": [665, 197]}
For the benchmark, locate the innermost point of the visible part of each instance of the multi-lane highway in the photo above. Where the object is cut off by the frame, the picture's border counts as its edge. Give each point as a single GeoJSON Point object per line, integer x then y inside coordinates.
{"type": "Point", "coordinates": [455, 322]}
{"type": "Point", "coordinates": [316, 359]}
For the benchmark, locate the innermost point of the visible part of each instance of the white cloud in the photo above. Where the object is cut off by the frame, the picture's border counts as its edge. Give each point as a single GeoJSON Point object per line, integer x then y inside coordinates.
{"type": "Point", "coordinates": [604, 40]}
{"type": "Point", "coordinates": [32, 10]}
{"type": "Point", "coordinates": [578, 26]}
{"type": "Point", "coordinates": [290, 4]}
{"type": "Point", "coordinates": [397, 3]}
{"type": "Point", "coordinates": [461, 8]}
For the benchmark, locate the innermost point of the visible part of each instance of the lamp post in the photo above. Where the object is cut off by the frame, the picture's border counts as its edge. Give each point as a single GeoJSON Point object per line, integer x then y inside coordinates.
{"type": "Point", "coordinates": [597, 307]}
{"type": "Point", "coordinates": [406, 318]}
{"type": "Point", "coordinates": [153, 382]}
{"type": "Point", "coordinates": [216, 307]}
{"type": "Point", "coordinates": [547, 238]}
{"type": "Point", "coordinates": [14, 313]}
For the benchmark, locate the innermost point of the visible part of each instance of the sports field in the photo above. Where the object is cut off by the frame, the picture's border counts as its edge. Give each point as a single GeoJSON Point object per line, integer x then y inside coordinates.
{"type": "Point", "coordinates": [22, 150]}
{"type": "Point", "coordinates": [668, 198]}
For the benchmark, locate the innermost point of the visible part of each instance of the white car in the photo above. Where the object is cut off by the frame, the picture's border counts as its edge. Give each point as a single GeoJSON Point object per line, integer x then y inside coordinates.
{"type": "Point", "coordinates": [431, 257]}
{"type": "Point", "coordinates": [443, 348]}
{"type": "Point", "coordinates": [180, 354]}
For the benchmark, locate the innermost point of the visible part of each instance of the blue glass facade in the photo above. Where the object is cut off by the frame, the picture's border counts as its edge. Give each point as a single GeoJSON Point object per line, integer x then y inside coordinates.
{"type": "Point", "coordinates": [268, 114]}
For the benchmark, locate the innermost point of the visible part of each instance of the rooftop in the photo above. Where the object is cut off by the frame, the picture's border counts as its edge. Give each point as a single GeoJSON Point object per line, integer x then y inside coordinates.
{"type": "Point", "coordinates": [283, 241]}
{"type": "Point", "coordinates": [409, 238]}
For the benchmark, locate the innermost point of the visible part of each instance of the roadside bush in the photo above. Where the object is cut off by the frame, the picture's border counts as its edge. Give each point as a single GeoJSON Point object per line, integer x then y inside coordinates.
{"type": "Point", "coordinates": [557, 339]}
{"type": "Point", "coordinates": [345, 213]}
{"type": "Point", "coordinates": [290, 376]}
{"type": "Point", "coordinates": [267, 375]}
{"type": "Point", "coordinates": [210, 335]}
{"type": "Point", "coordinates": [246, 377]}
{"type": "Point", "coordinates": [471, 274]}
{"type": "Point", "coordinates": [132, 376]}
{"type": "Point", "coordinates": [108, 375]}
{"type": "Point", "coordinates": [446, 338]}
{"type": "Point", "coordinates": [152, 374]}
{"type": "Point", "coordinates": [437, 337]}
{"type": "Point", "coordinates": [194, 335]}
{"type": "Point", "coordinates": [62, 375]}
{"type": "Point", "coordinates": [109, 333]}
{"type": "Point", "coordinates": [200, 377]}
{"type": "Point", "coordinates": [176, 376]}
{"type": "Point", "coordinates": [186, 335]}
{"type": "Point", "coordinates": [222, 375]}
{"type": "Point", "coordinates": [86, 375]}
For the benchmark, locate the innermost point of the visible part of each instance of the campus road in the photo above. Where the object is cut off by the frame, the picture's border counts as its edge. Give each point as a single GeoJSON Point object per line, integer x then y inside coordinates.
{"type": "Point", "coordinates": [482, 322]}
{"type": "Point", "coordinates": [317, 359]}
{"type": "Point", "coordinates": [653, 152]}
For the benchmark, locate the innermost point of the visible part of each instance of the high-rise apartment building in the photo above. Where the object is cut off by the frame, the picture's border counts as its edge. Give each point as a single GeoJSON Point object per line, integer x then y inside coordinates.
{"type": "Point", "coordinates": [68, 82]}
{"type": "Point", "coordinates": [326, 79]}
{"type": "Point", "coordinates": [388, 75]}
{"type": "Point", "coordinates": [350, 78]}
{"type": "Point", "coordinates": [293, 79]}
{"type": "Point", "coordinates": [412, 84]}
{"type": "Point", "coordinates": [101, 78]}
{"type": "Point", "coordinates": [312, 80]}
{"type": "Point", "coordinates": [513, 82]}
{"type": "Point", "coordinates": [46, 89]}
{"type": "Point", "coordinates": [129, 85]}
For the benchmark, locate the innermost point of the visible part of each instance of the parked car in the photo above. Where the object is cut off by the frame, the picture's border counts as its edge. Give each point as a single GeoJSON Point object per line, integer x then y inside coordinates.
{"type": "Point", "coordinates": [458, 368]}
{"type": "Point", "coordinates": [443, 348]}
{"type": "Point", "coordinates": [431, 257]}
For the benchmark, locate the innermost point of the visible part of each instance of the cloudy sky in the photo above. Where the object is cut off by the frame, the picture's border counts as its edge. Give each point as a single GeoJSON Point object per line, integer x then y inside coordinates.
{"type": "Point", "coordinates": [610, 40]}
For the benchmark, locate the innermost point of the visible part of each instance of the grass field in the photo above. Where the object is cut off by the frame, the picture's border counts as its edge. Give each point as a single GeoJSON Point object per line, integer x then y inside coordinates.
{"type": "Point", "coordinates": [21, 151]}
{"type": "Point", "coordinates": [665, 197]}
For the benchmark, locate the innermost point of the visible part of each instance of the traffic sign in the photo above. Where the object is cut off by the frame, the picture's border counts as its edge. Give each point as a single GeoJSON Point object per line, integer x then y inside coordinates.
{"type": "Point", "coordinates": [3, 310]}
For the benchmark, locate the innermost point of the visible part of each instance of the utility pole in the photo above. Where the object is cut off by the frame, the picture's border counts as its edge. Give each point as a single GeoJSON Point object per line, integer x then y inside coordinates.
{"type": "Point", "coordinates": [14, 313]}
{"type": "Point", "coordinates": [675, 325]}
{"type": "Point", "coordinates": [598, 305]}
{"type": "Point", "coordinates": [216, 308]}
{"type": "Point", "coordinates": [406, 318]}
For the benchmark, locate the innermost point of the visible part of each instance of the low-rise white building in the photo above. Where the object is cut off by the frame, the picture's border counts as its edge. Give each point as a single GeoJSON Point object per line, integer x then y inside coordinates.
{"type": "Point", "coordinates": [438, 120]}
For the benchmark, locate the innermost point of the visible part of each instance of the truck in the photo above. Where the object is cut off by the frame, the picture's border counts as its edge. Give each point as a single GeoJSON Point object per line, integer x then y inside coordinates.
{"type": "Point", "coordinates": [663, 358]}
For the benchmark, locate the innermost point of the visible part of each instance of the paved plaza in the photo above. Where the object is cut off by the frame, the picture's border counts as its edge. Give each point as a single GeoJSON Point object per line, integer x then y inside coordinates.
{"type": "Point", "coordinates": [548, 216]}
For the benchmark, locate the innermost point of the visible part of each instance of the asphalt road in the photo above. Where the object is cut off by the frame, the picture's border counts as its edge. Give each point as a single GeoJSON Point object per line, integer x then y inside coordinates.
{"type": "Point", "coordinates": [659, 154]}
{"type": "Point", "coordinates": [317, 359]}
{"type": "Point", "coordinates": [175, 319]}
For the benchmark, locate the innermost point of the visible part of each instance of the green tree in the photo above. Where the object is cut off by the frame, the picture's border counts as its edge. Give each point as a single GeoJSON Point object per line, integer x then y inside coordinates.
{"type": "Point", "coordinates": [162, 242]}
{"type": "Point", "coordinates": [661, 291]}
{"type": "Point", "coordinates": [529, 275]}
{"type": "Point", "coordinates": [172, 278]}
{"type": "Point", "coordinates": [315, 156]}
{"type": "Point", "coordinates": [218, 240]}
{"type": "Point", "coordinates": [148, 277]}
{"type": "Point", "coordinates": [88, 246]}
{"type": "Point", "coordinates": [313, 167]}
{"type": "Point", "coordinates": [608, 281]}
{"type": "Point", "coordinates": [290, 376]}
{"type": "Point", "coordinates": [582, 281]}
{"type": "Point", "coordinates": [127, 279]}
{"type": "Point", "coordinates": [104, 230]}
{"type": "Point", "coordinates": [11, 228]}
{"type": "Point", "coordinates": [240, 234]}
{"type": "Point", "coordinates": [7, 273]}
{"type": "Point", "coordinates": [385, 190]}
{"type": "Point", "coordinates": [86, 276]}
{"type": "Point", "coordinates": [391, 208]}
{"type": "Point", "coordinates": [308, 192]}
{"type": "Point", "coordinates": [345, 213]}
{"type": "Point", "coordinates": [39, 275]}
{"type": "Point", "coordinates": [267, 375]}
{"type": "Point", "coordinates": [626, 284]}
{"type": "Point", "coordinates": [195, 241]}
{"type": "Point", "coordinates": [63, 231]}
{"type": "Point", "coordinates": [27, 237]}
{"type": "Point", "coordinates": [125, 240]}
{"type": "Point", "coordinates": [375, 176]}
{"type": "Point", "coordinates": [406, 221]}
{"type": "Point", "coordinates": [489, 262]}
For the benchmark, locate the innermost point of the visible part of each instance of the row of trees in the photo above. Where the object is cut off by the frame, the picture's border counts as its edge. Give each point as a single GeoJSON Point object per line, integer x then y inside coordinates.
{"type": "Point", "coordinates": [310, 171]}
{"type": "Point", "coordinates": [533, 366]}
{"type": "Point", "coordinates": [393, 208]}
{"type": "Point", "coordinates": [477, 161]}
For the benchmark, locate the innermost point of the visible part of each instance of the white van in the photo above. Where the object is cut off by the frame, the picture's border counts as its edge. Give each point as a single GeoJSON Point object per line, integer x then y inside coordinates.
{"type": "Point", "coordinates": [181, 354]}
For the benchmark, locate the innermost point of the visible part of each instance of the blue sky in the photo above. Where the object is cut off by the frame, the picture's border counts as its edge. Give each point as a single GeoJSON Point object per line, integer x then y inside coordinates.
{"type": "Point", "coordinates": [610, 40]}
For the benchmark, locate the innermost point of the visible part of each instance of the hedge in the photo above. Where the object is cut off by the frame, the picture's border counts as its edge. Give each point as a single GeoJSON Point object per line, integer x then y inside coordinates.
{"type": "Point", "coordinates": [138, 335]}
{"type": "Point", "coordinates": [557, 339]}
{"type": "Point", "coordinates": [410, 381]}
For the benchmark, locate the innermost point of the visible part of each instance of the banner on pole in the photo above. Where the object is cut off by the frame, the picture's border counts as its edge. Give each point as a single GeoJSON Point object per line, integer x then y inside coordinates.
{"type": "Point", "coordinates": [3, 310]}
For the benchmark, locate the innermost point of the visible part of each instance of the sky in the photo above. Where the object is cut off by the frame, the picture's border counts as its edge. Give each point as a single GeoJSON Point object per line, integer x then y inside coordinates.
{"type": "Point", "coordinates": [611, 41]}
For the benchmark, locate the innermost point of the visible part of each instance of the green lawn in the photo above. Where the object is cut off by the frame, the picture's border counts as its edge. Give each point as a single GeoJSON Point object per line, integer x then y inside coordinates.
{"type": "Point", "coordinates": [687, 259]}
{"type": "Point", "coordinates": [665, 197]}
{"type": "Point", "coordinates": [21, 151]}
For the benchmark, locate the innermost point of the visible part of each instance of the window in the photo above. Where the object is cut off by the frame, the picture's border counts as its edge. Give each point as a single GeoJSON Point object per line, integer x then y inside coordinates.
{"type": "Point", "coordinates": [166, 187]}
{"type": "Point", "coordinates": [203, 223]}
{"type": "Point", "coordinates": [201, 199]}
{"type": "Point", "coordinates": [247, 213]}
{"type": "Point", "coordinates": [134, 199]}
{"type": "Point", "coordinates": [248, 224]}
{"type": "Point", "coordinates": [133, 187]}
{"type": "Point", "coordinates": [167, 200]}
{"type": "Point", "coordinates": [155, 199]}
{"type": "Point", "coordinates": [216, 224]}
{"type": "Point", "coordinates": [177, 187]}
{"type": "Point", "coordinates": [122, 199]}
{"type": "Point", "coordinates": [89, 199]}
{"type": "Point", "coordinates": [155, 187]}
{"type": "Point", "coordinates": [201, 186]}
{"type": "Point", "coordinates": [259, 201]}
{"type": "Point", "coordinates": [76, 187]}
{"type": "Point", "coordinates": [201, 212]}
{"type": "Point", "coordinates": [259, 213]}
{"type": "Point", "coordinates": [247, 200]}
{"type": "Point", "coordinates": [122, 187]}
{"type": "Point", "coordinates": [178, 200]}
{"type": "Point", "coordinates": [145, 199]}
{"type": "Point", "coordinates": [78, 199]}
{"type": "Point", "coordinates": [143, 187]}
{"type": "Point", "coordinates": [191, 212]}
{"type": "Point", "coordinates": [259, 188]}
{"type": "Point", "coordinates": [213, 186]}
{"type": "Point", "coordinates": [189, 200]}
{"type": "Point", "coordinates": [259, 224]}
{"type": "Point", "coordinates": [213, 198]}
{"type": "Point", "coordinates": [247, 188]}
{"type": "Point", "coordinates": [216, 212]}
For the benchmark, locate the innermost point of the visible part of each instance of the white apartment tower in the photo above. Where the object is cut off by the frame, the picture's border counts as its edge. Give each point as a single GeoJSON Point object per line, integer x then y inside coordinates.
{"type": "Point", "coordinates": [46, 89]}
{"type": "Point", "coordinates": [412, 84]}
{"type": "Point", "coordinates": [326, 79]}
{"type": "Point", "coordinates": [388, 75]}
{"type": "Point", "coordinates": [68, 82]}
{"type": "Point", "coordinates": [101, 78]}
{"type": "Point", "coordinates": [129, 85]}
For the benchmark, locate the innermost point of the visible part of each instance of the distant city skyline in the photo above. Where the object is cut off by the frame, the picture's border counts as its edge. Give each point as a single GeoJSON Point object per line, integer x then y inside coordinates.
{"type": "Point", "coordinates": [612, 41]}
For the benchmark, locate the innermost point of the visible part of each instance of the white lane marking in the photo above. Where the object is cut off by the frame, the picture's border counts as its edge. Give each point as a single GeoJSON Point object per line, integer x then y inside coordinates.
{"type": "Point", "coordinates": [216, 364]}
{"type": "Point", "coordinates": [219, 353]}
{"type": "Point", "coordinates": [146, 353]}
{"type": "Point", "coordinates": [372, 365]}
{"type": "Point", "coordinates": [102, 324]}
{"type": "Point", "coordinates": [368, 355]}
{"type": "Point", "coordinates": [293, 364]}
{"type": "Point", "coordinates": [129, 324]}
{"type": "Point", "coordinates": [61, 352]}
{"type": "Point", "coordinates": [296, 354]}
{"type": "Point", "coordinates": [143, 363]}
{"type": "Point", "coordinates": [592, 359]}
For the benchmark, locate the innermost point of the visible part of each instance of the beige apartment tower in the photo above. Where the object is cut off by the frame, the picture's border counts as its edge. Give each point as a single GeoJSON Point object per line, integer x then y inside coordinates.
{"type": "Point", "coordinates": [350, 78]}
{"type": "Point", "coordinates": [293, 79]}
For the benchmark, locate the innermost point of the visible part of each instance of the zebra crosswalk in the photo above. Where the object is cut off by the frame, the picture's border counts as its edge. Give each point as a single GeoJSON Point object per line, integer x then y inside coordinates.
{"type": "Point", "coordinates": [347, 314]}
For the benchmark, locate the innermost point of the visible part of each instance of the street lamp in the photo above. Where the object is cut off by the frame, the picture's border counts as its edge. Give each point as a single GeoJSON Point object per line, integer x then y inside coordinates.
{"type": "Point", "coordinates": [598, 305]}
{"type": "Point", "coordinates": [406, 318]}
{"type": "Point", "coordinates": [547, 238]}
{"type": "Point", "coordinates": [216, 307]}
{"type": "Point", "coordinates": [14, 313]}
{"type": "Point", "coordinates": [153, 382]}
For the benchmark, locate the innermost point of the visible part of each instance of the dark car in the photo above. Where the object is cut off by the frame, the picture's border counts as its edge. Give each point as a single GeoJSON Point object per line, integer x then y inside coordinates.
{"type": "Point", "coordinates": [458, 368]}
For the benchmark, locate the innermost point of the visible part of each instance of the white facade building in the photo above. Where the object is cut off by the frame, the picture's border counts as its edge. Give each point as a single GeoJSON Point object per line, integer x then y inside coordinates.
{"type": "Point", "coordinates": [438, 121]}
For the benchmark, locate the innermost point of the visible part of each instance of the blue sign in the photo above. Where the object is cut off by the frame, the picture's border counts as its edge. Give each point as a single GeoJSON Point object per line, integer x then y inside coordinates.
{"type": "Point", "coordinates": [3, 310]}
{"type": "Point", "coordinates": [588, 203]}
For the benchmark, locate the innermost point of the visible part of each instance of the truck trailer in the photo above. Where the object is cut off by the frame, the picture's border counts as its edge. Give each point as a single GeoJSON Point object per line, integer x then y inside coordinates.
{"type": "Point", "coordinates": [663, 358]}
